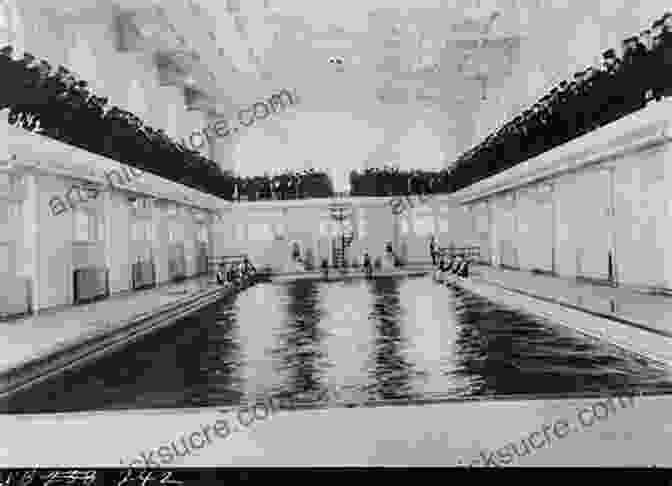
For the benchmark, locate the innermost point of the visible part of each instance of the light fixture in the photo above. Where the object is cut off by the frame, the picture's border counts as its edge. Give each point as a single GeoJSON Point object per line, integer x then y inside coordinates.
{"type": "Point", "coordinates": [148, 30]}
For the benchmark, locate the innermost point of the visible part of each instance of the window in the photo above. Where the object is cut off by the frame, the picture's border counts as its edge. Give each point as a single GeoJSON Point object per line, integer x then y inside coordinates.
{"type": "Point", "coordinates": [279, 230]}
{"type": "Point", "coordinates": [325, 228]}
{"type": "Point", "coordinates": [175, 232]}
{"type": "Point", "coordinates": [362, 223]}
{"type": "Point", "coordinates": [142, 230]}
{"type": "Point", "coordinates": [202, 234]}
{"type": "Point", "coordinates": [10, 219]}
{"type": "Point", "coordinates": [405, 227]}
{"type": "Point", "coordinates": [4, 258]}
{"type": "Point", "coordinates": [171, 210]}
{"type": "Point", "coordinates": [150, 233]}
{"type": "Point", "coordinates": [424, 225]}
{"type": "Point", "coordinates": [135, 231]}
{"type": "Point", "coordinates": [88, 227]}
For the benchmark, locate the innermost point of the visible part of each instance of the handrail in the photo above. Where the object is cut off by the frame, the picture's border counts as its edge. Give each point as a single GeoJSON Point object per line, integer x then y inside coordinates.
{"type": "Point", "coordinates": [464, 251]}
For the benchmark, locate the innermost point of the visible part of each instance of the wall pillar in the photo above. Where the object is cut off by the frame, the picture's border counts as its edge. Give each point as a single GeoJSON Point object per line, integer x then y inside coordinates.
{"type": "Point", "coordinates": [31, 239]}
{"type": "Point", "coordinates": [157, 253]}
{"type": "Point", "coordinates": [107, 223]}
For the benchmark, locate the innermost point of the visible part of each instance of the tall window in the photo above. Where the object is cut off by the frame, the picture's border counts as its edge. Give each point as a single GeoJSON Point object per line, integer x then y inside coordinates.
{"type": "Point", "coordinates": [424, 222]}
{"type": "Point", "coordinates": [405, 227]}
{"type": "Point", "coordinates": [444, 217]}
{"type": "Point", "coordinates": [88, 226]}
{"type": "Point", "coordinates": [142, 230]}
{"type": "Point", "coordinates": [362, 223]}
{"type": "Point", "coordinates": [175, 232]}
{"type": "Point", "coordinates": [325, 228]}
{"type": "Point", "coordinates": [279, 230]}
{"type": "Point", "coordinates": [4, 258]}
{"type": "Point", "coordinates": [239, 231]}
{"type": "Point", "coordinates": [6, 27]}
{"type": "Point", "coordinates": [202, 235]}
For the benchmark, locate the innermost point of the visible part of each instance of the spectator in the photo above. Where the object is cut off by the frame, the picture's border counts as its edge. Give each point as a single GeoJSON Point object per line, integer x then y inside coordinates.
{"type": "Point", "coordinates": [368, 267]}
{"type": "Point", "coordinates": [433, 249]}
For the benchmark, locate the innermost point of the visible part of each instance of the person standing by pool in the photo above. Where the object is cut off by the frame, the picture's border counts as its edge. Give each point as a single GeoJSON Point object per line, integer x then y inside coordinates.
{"type": "Point", "coordinates": [368, 267]}
{"type": "Point", "coordinates": [433, 249]}
{"type": "Point", "coordinates": [325, 268]}
{"type": "Point", "coordinates": [221, 274]}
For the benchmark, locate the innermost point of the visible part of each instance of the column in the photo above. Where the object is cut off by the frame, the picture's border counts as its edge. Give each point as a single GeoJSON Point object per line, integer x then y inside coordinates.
{"type": "Point", "coordinates": [107, 222]}
{"type": "Point", "coordinates": [157, 253]}
{"type": "Point", "coordinates": [611, 222]}
{"type": "Point", "coordinates": [31, 238]}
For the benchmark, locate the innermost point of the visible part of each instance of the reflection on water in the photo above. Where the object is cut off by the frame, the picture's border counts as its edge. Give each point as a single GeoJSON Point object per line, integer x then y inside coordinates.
{"type": "Point", "coordinates": [211, 367]}
{"type": "Point", "coordinates": [391, 372]}
{"type": "Point", "coordinates": [299, 351]}
{"type": "Point", "coordinates": [388, 339]}
{"type": "Point", "coordinates": [511, 354]}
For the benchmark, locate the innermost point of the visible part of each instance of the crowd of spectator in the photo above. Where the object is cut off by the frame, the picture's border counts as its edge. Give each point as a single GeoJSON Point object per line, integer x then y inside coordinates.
{"type": "Point", "coordinates": [636, 73]}
{"type": "Point", "coordinates": [54, 103]}
{"type": "Point", "coordinates": [628, 78]}
{"type": "Point", "coordinates": [287, 185]}
{"type": "Point", "coordinates": [391, 181]}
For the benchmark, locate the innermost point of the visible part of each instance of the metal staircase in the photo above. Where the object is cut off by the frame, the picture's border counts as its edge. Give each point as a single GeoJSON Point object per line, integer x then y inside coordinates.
{"type": "Point", "coordinates": [341, 244]}
{"type": "Point", "coordinates": [339, 257]}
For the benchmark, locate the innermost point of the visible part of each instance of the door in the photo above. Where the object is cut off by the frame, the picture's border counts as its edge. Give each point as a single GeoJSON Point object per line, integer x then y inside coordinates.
{"type": "Point", "coordinates": [504, 219]}
{"type": "Point", "coordinates": [535, 237]}
{"type": "Point", "coordinates": [594, 258]}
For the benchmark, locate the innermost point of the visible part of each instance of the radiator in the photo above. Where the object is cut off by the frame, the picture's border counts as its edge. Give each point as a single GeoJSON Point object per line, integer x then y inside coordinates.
{"type": "Point", "coordinates": [90, 283]}
{"type": "Point", "coordinates": [202, 265]}
{"type": "Point", "coordinates": [144, 275]}
{"type": "Point", "coordinates": [15, 297]}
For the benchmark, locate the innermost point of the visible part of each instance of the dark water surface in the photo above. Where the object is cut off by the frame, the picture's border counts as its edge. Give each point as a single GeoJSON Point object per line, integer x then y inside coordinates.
{"type": "Point", "coordinates": [389, 339]}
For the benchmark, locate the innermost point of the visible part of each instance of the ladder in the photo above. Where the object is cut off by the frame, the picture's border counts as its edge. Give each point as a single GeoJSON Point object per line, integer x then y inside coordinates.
{"type": "Point", "coordinates": [341, 244]}
{"type": "Point", "coordinates": [339, 257]}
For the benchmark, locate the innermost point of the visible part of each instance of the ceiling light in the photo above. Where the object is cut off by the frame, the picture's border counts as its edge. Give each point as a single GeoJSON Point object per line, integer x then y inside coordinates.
{"type": "Point", "coordinates": [148, 30]}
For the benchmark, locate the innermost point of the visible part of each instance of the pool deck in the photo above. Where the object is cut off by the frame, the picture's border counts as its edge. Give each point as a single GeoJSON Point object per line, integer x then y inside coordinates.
{"type": "Point", "coordinates": [623, 316]}
{"type": "Point", "coordinates": [635, 432]}
{"type": "Point", "coordinates": [38, 346]}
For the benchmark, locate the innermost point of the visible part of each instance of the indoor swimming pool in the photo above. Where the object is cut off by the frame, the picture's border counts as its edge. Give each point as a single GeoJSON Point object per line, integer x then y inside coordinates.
{"type": "Point", "coordinates": [388, 340]}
